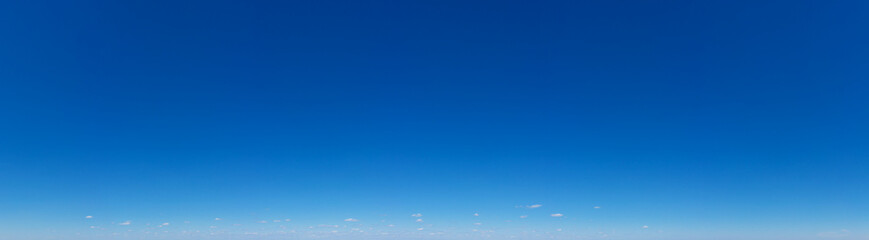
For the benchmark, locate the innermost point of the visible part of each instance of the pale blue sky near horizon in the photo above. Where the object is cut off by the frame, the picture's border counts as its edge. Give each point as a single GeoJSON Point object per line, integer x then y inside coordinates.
{"type": "Point", "coordinates": [620, 119]}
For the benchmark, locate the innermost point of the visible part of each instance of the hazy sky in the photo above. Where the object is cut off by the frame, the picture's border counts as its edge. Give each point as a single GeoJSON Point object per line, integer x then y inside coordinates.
{"type": "Point", "coordinates": [457, 120]}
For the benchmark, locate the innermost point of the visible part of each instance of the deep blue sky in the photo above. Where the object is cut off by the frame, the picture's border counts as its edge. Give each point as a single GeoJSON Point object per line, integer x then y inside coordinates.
{"type": "Point", "coordinates": [696, 119]}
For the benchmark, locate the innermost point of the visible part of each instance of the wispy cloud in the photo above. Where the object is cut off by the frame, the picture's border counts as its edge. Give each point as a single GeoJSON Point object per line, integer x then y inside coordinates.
{"type": "Point", "coordinates": [88, 217]}
{"type": "Point", "coordinates": [217, 219]}
{"type": "Point", "coordinates": [476, 214]}
{"type": "Point", "coordinates": [596, 207]}
{"type": "Point", "coordinates": [416, 215]}
{"type": "Point", "coordinates": [557, 215]}
{"type": "Point", "coordinates": [125, 223]}
{"type": "Point", "coordinates": [523, 216]}
{"type": "Point", "coordinates": [419, 220]}
{"type": "Point", "coordinates": [534, 206]}
{"type": "Point", "coordinates": [351, 220]}
{"type": "Point", "coordinates": [644, 226]}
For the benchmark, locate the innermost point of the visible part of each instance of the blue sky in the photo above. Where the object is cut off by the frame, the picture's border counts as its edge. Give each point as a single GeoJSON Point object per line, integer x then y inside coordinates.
{"type": "Point", "coordinates": [546, 119]}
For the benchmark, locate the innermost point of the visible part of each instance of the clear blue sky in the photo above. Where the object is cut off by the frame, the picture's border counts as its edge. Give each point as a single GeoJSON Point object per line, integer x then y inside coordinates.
{"type": "Point", "coordinates": [620, 119]}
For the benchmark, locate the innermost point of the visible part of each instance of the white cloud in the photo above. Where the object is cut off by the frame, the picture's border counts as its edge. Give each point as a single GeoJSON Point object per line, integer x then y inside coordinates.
{"type": "Point", "coordinates": [287, 220]}
{"type": "Point", "coordinates": [559, 230]}
{"type": "Point", "coordinates": [391, 225]}
{"type": "Point", "coordinates": [478, 224]}
{"type": "Point", "coordinates": [416, 215]}
{"type": "Point", "coordinates": [534, 206]}
{"type": "Point", "coordinates": [165, 224]}
{"type": "Point", "coordinates": [557, 215]}
{"type": "Point", "coordinates": [476, 214]}
{"type": "Point", "coordinates": [419, 229]}
{"type": "Point", "coordinates": [262, 221]}
{"type": "Point", "coordinates": [88, 217]}
{"type": "Point", "coordinates": [218, 219]}
{"type": "Point", "coordinates": [523, 216]}
{"type": "Point", "coordinates": [276, 220]}
{"type": "Point", "coordinates": [596, 207]}
{"type": "Point", "coordinates": [644, 226]}
{"type": "Point", "coordinates": [124, 223]}
{"type": "Point", "coordinates": [351, 220]}
{"type": "Point", "coordinates": [419, 220]}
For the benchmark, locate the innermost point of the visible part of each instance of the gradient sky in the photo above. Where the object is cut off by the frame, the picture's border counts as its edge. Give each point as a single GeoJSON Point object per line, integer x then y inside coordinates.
{"type": "Point", "coordinates": [547, 119]}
